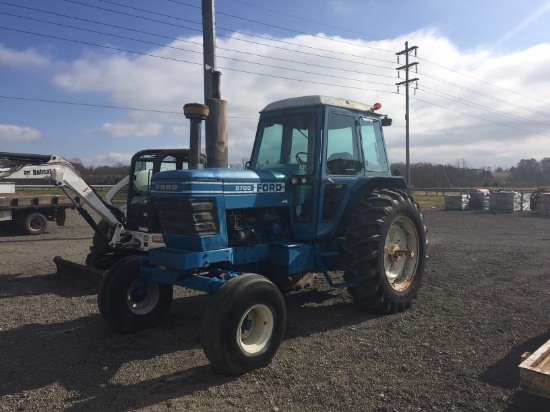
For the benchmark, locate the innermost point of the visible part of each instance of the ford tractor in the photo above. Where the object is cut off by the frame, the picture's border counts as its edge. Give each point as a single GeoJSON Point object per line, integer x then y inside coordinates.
{"type": "Point", "coordinates": [317, 196]}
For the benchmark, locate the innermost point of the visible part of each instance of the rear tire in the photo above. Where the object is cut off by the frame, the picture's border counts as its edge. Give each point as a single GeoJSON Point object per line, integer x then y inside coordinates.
{"type": "Point", "coordinates": [130, 303]}
{"type": "Point", "coordinates": [383, 229]}
{"type": "Point", "coordinates": [34, 224]}
{"type": "Point", "coordinates": [244, 325]}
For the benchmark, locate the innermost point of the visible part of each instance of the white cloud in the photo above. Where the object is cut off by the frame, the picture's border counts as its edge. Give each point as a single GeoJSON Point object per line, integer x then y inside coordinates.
{"type": "Point", "coordinates": [122, 129]}
{"type": "Point", "coordinates": [108, 158]}
{"type": "Point", "coordinates": [13, 133]}
{"type": "Point", "coordinates": [22, 59]}
{"type": "Point", "coordinates": [466, 112]}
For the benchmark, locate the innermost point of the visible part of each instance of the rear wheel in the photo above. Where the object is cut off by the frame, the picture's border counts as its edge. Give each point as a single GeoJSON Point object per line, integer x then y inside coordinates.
{"type": "Point", "coordinates": [34, 224]}
{"type": "Point", "coordinates": [130, 303]}
{"type": "Point", "coordinates": [385, 251]}
{"type": "Point", "coordinates": [244, 324]}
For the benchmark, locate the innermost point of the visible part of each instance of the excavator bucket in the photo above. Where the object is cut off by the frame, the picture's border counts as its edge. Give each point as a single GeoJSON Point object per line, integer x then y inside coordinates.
{"type": "Point", "coordinates": [81, 275]}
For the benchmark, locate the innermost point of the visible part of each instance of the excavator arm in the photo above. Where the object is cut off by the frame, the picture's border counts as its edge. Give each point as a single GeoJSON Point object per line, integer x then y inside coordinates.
{"type": "Point", "coordinates": [63, 174]}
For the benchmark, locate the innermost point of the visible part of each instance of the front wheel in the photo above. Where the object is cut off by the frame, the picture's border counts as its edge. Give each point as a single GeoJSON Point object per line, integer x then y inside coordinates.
{"type": "Point", "coordinates": [244, 325]}
{"type": "Point", "coordinates": [385, 251]}
{"type": "Point", "coordinates": [130, 303]}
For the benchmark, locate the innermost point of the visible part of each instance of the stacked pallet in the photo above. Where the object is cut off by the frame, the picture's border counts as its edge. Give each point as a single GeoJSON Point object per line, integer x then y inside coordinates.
{"type": "Point", "coordinates": [479, 199]}
{"type": "Point", "coordinates": [543, 207]}
{"type": "Point", "coordinates": [457, 202]}
{"type": "Point", "coordinates": [505, 201]}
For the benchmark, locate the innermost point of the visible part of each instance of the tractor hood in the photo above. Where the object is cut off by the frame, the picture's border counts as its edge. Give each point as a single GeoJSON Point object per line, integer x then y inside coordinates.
{"type": "Point", "coordinates": [241, 188]}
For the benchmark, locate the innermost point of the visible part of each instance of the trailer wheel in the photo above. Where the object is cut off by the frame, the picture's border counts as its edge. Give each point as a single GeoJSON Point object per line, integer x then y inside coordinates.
{"type": "Point", "coordinates": [130, 303]}
{"type": "Point", "coordinates": [385, 251]}
{"type": "Point", "coordinates": [244, 325]}
{"type": "Point", "coordinates": [34, 224]}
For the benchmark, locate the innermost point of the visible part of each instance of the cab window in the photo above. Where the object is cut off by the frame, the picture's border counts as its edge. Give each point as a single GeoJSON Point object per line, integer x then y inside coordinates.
{"type": "Point", "coordinates": [373, 146]}
{"type": "Point", "coordinates": [343, 155]}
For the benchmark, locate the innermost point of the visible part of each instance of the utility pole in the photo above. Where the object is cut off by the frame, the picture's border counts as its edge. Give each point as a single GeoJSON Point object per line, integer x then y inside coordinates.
{"type": "Point", "coordinates": [209, 45]}
{"type": "Point", "coordinates": [216, 123]}
{"type": "Point", "coordinates": [406, 83]}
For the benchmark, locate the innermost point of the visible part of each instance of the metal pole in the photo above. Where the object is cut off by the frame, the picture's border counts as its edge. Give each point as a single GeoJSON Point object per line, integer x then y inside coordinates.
{"type": "Point", "coordinates": [408, 171]}
{"type": "Point", "coordinates": [406, 67]}
{"type": "Point", "coordinates": [209, 45]}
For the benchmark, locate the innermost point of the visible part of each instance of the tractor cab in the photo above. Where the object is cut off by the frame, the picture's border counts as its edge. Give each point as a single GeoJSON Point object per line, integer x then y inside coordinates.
{"type": "Point", "coordinates": [328, 147]}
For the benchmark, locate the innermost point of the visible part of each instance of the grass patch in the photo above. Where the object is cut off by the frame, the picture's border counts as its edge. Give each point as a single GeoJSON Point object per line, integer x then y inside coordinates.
{"type": "Point", "coordinates": [430, 200]}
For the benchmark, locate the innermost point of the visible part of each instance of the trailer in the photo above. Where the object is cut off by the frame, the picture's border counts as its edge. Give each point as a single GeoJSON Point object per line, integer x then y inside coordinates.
{"type": "Point", "coordinates": [30, 213]}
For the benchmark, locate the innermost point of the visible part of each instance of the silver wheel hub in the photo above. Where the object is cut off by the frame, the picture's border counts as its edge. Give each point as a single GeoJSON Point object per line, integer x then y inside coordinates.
{"type": "Point", "coordinates": [401, 248]}
{"type": "Point", "coordinates": [142, 297]}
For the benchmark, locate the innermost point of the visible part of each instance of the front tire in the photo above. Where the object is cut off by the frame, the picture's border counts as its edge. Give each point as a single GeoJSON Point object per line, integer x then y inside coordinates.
{"type": "Point", "coordinates": [244, 325]}
{"type": "Point", "coordinates": [130, 303]}
{"type": "Point", "coordinates": [385, 251]}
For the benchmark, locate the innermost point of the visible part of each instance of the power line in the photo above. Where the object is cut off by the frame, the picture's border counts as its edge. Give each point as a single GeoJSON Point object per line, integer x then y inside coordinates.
{"type": "Point", "coordinates": [287, 29]}
{"type": "Point", "coordinates": [483, 81]}
{"type": "Point", "coordinates": [246, 34]}
{"type": "Point", "coordinates": [507, 102]}
{"type": "Point", "coordinates": [286, 78]}
{"type": "Point", "coordinates": [198, 7]}
{"type": "Point", "coordinates": [280, 27]}
{"type": "Point", "coordinates": [195, 63]}
{"type": "Point", "coordinates": [178, 39]}
{"type": "Point", "coordinates": [477, 106]}
{"type": "Point", "coordinates": [196, 51]}
{"type": "Point", "coordinates": [104, 106]}
{"type": "Point", "coordinates": [478, 117]}
{"type": "Point", "coordinates": [307, 20]}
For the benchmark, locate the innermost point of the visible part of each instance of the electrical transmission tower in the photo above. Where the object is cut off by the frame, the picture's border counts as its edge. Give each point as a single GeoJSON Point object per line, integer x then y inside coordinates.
{"type": "Point", "coordinates": [406, 83]}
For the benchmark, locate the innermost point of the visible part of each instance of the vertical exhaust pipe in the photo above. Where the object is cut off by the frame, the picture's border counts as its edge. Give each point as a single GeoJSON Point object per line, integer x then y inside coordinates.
{"type": "Point", "coordinates": [196, 113]}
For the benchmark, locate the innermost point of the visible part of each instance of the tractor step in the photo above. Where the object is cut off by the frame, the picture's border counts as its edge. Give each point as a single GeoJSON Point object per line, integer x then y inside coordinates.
{"type": "Point", "coordinates": [81, 275]}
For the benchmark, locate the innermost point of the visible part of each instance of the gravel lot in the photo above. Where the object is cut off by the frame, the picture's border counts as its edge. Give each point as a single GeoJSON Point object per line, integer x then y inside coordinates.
{"type": "Point", "coordinates": [485, 301]}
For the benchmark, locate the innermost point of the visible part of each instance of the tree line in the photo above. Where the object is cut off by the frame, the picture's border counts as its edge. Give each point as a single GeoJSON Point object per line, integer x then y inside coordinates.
{"type": "Point", "coordinates": [526, 173]}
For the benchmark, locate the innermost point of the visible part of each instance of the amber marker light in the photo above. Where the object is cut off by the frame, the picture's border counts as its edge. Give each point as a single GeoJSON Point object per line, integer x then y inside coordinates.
{"type": "Point", "coordinates": [377, 106]}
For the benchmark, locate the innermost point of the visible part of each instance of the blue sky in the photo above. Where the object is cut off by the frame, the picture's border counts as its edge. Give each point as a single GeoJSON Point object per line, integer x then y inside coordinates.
{"type": "Point", "coordinates": [482, 98]}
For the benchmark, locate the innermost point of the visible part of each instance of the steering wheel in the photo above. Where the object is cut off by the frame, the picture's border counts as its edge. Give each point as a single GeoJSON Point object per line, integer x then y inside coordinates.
{"type": "Point", "coordinates": [299, 159]}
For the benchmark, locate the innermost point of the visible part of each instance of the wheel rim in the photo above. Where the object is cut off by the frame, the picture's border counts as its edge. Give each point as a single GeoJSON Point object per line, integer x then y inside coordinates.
{"type": "Point", "coordinates": [256, 329]}
{"type": "Point", "coordinates": [142, 297]}
{"type": "Point", "coordinates": [35, 224]}
{"type": "Point", "coordinates": [401, 253]}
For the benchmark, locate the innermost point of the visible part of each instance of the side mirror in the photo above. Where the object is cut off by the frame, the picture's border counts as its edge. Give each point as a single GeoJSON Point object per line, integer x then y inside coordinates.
{"type": "Point", "coordinates": [396, 172]}
{"type": "Point", "coordinates": [386, 121]}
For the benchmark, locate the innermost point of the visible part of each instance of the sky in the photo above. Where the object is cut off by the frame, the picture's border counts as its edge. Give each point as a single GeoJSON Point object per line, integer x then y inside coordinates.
{"type": "Point", "coordinates": [97, 80]}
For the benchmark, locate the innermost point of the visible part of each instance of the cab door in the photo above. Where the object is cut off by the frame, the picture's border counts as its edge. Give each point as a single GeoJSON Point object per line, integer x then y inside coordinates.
{"type": "Point", "coordinates": [342, 164]}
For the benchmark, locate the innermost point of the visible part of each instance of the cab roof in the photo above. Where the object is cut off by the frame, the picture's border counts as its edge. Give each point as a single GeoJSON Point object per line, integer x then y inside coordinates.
{"type": "Point", "coordinates": [317, 100]}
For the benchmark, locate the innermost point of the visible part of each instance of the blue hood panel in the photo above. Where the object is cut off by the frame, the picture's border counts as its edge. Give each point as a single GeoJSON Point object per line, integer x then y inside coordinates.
{"type": "Point", "coordinates": [240, 188]}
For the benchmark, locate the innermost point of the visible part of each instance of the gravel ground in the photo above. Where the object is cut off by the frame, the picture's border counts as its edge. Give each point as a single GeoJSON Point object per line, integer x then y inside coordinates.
{"type": "Point", "coordinates": [484, 302]}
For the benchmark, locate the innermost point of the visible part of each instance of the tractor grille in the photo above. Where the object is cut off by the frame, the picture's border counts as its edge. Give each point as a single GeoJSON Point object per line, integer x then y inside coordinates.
{"type": "Point", "coordinates": [189, 217]}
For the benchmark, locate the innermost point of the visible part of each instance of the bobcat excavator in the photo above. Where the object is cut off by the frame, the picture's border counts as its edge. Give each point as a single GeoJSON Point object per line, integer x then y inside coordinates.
{"type": "Point", "coordinates": [121, 231]}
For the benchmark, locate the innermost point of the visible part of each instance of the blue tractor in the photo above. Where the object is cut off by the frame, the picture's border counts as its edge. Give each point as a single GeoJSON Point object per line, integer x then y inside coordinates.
{"type": "Point", "coordinates": [316, 197]}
